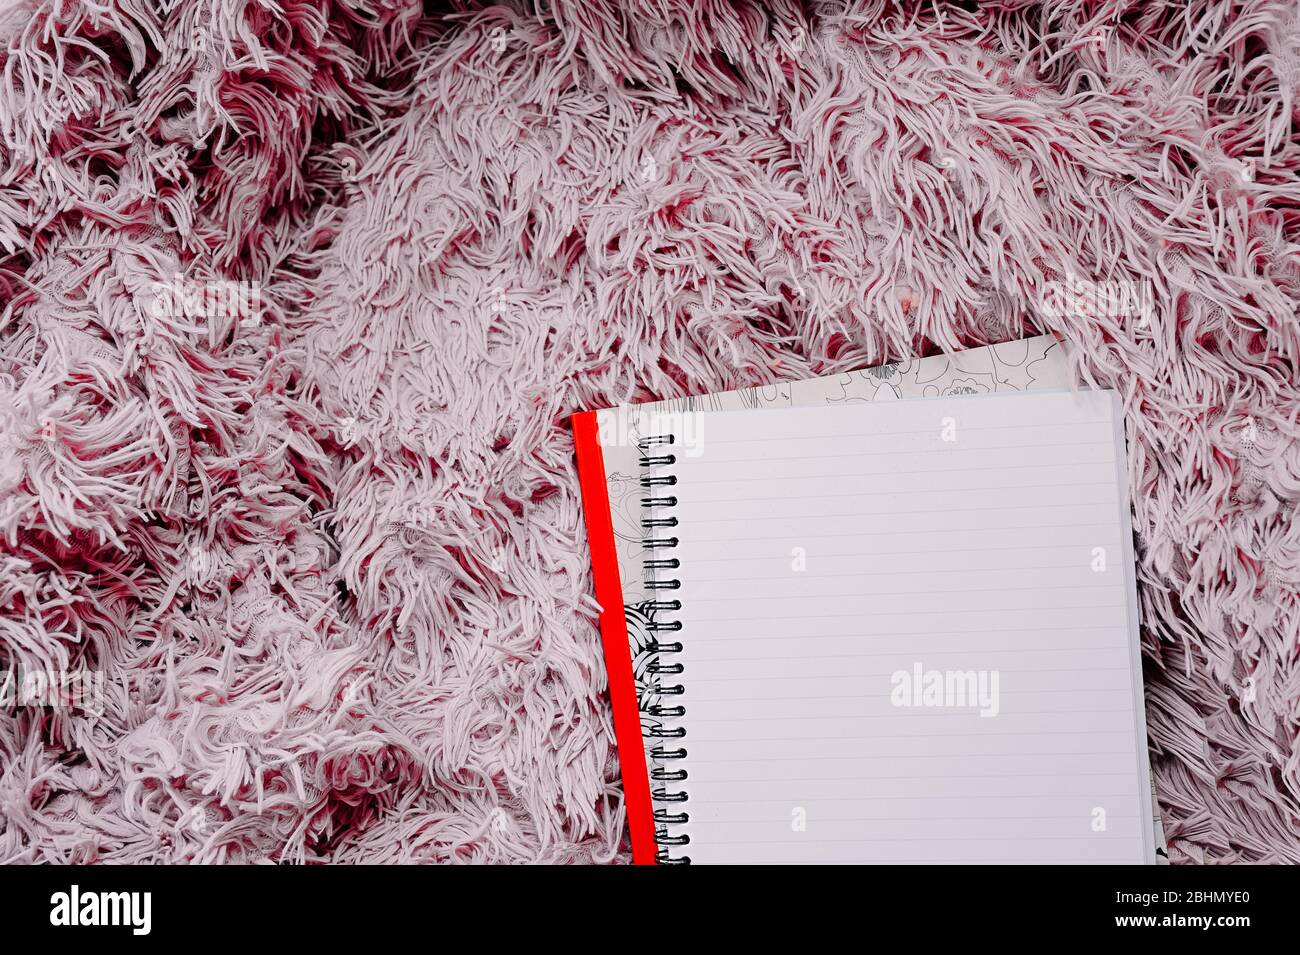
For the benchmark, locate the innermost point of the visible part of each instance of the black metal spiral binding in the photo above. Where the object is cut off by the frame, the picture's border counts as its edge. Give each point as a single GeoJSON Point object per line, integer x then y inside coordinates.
{"type": "Point", "coordinates": [668, 811]}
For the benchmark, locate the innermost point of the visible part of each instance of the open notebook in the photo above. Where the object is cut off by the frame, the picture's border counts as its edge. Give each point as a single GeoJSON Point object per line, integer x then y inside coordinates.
{"type": "Point", "coordinates": [876, 640]}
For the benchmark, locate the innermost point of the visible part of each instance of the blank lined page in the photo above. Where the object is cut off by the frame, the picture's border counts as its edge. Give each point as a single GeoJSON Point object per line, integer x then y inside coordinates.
{"type": "Point", "coordinates": [910, 634]}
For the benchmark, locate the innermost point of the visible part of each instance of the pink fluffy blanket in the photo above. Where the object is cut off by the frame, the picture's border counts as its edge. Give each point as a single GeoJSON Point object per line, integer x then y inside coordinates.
{"type": "Point", "coordinates": [297, 296]}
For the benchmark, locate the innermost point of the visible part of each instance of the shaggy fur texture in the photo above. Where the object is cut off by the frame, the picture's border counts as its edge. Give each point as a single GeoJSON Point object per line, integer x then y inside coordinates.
{"type": "Point", "coordinates": [324, 543]}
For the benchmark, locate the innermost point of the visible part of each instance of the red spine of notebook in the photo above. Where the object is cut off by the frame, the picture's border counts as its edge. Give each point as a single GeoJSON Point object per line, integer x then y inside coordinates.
{"type": "Point", "coordinates": [614, 636]}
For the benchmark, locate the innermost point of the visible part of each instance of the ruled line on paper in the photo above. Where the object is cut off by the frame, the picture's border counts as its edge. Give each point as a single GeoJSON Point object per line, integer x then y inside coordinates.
{"type": "Point", "coordinates": [869, 799]}
{"type": "Point", "coordinates": [736, 658]}
{"type": "Point", "coordinates": [886, 716]}
{"type": "Point", "coordinates": [776, 739]}
{"type": "Point", "coordinates": [769, 516]}
{"type": "Point", "coordinates": [920, 633]}
{"type": "Point", "coordinates": [892, 573]}
{"type": "Point", "coordinates": [966, 550]}
{"type": "Point", "coordinates": [769, 459]}
{"type": "Point", "coordinates": [832, 676]}
{"type": "Point", "coordinates": [860, 534]}
{"type": "Point", "coordinates": [815, 616]}
{"type": "Point", "coordinates": [704, 701]}
{"type": "Point", "coordinates": [849, 435]}
{"type": "Point", "coordinates": [889, 493]}
{"type": "Point", "coordinates": [953, 590]}
{"type": "Point", "coordinates": [750, 479]}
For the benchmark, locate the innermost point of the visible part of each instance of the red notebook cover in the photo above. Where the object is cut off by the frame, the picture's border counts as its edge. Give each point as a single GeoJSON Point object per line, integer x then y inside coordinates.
{"type": "Point", "coordinates": [614, 636]}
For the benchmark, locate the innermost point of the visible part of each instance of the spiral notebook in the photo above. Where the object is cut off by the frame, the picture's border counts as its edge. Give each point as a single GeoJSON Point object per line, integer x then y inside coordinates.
{"type": "Point", "coordinates": [898, 631]}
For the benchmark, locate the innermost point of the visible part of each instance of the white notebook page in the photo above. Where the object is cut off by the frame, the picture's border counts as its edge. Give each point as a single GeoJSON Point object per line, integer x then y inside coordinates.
{"type": "Point", "coordinates": [909, 634]}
